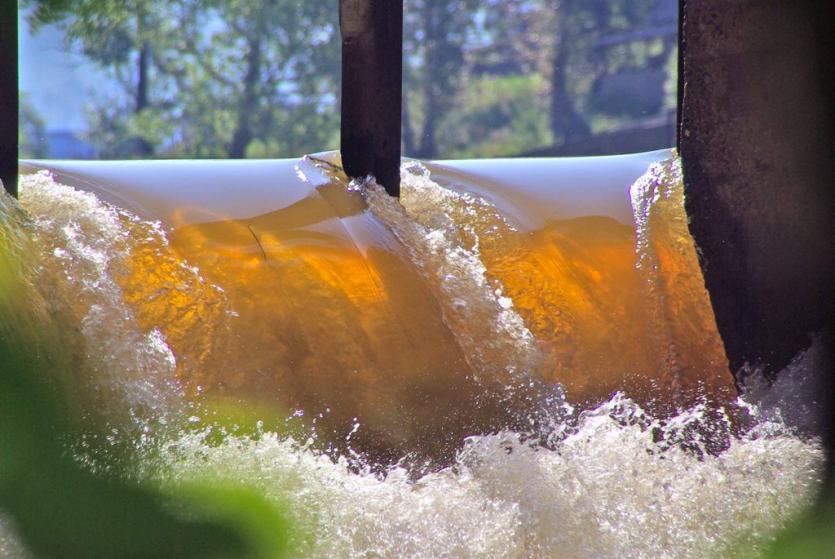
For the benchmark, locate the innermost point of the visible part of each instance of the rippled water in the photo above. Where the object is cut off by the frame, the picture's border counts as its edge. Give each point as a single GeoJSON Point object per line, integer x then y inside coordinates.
{"type": "Point", "coordinates": [550, 393]}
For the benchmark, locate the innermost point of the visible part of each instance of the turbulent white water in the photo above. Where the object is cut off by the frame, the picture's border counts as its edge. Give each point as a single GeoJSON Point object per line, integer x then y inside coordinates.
{"type": "Point", "coordinates": [83, 245]}
{"type": "Point", "coordinates": [607, 490]}
{"type": "Point", "coordinates": [613, 482]}
{"type": "Point", "coordinates": [493, 335]}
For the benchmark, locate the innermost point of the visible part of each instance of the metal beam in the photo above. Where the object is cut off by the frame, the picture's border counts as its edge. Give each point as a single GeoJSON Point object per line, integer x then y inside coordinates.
{"type": "Point", "coordinates": [756, 136]}
{"type": "Point", "coordinates": [372, 77]}
{"type": "Point", "coordinates": [9, 101]}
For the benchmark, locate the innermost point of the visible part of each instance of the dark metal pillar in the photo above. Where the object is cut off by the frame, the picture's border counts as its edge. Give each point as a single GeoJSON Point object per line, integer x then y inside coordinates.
{"type": "Point", "coordinates": [756, 138]}
{"type": "Point", "coordinates": [372, 70]}
{"type": "Point", "coordinates": [8, 96]}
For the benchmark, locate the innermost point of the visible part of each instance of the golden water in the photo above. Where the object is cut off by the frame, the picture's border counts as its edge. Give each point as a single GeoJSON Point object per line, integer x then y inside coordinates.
{"type": "Point", "coordinates": [442, 329]}
{"type": "Point", "coordinates": [414, 323]}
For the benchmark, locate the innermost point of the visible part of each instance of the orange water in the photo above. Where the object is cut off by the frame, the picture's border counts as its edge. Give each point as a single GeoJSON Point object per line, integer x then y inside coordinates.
{"type": "Point", "coordinates": [324, 307]}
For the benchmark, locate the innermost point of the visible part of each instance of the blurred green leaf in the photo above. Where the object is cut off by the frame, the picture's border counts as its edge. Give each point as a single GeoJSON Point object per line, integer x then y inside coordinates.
{"type": "Point", "coordinates": [812, 536]}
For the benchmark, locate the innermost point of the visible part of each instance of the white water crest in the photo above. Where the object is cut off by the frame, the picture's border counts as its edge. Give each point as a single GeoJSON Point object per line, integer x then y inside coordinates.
{"type": "Point", "coordinates": [614, 483]}
{"type": "Point", "coordinates": [83, 245]}
{"type": "Point", "coordinates": [445, 248]}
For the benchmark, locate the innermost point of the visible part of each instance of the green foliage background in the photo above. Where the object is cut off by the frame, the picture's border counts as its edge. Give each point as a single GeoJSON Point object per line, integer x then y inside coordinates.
{"type": "Point", "coordinates": [260, 78]}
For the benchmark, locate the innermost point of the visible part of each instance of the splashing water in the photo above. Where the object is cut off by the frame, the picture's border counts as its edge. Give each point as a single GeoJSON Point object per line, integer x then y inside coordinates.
{"type": "Point", "coordinates": [493, 335]}
{"type": "Point", "coordinates": [82, 248]}
{"type": "Point", "coordinates": [162, 324]}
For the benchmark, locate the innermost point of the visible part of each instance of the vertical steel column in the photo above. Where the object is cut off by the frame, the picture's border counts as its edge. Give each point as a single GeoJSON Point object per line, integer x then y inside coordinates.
{"type": "Point", "coordinates": [372, 78]}
{"type": "Point", "coordinates": [755, 136]}
{"type": "Point", "coordinates": [9, 100]}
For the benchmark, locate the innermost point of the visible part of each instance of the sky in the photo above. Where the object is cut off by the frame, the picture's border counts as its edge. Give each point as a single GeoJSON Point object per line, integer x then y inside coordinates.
{"type": "Point", "coordinates": [56, 82]}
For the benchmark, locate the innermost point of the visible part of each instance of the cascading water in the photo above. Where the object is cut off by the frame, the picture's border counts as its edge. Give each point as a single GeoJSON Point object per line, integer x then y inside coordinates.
{"type": "Point", "coordinates": [459, 385]}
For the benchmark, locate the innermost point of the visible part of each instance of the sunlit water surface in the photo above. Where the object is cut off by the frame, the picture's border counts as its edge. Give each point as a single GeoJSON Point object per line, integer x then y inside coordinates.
{"type": "Point", "coordinates": [554, 392]}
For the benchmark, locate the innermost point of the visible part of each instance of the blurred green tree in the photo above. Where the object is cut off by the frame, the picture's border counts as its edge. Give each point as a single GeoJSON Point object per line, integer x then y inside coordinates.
{"type": "Point", "coordinates": [497, 116]}
{"type": "Point", "coordinates": [32, 133]}
{"type": "Point", "coordinates": [120, 36]}
{"type": "Point", "coordinates": [260, 78]}
{"type": "Point", "coordinates": [574, 44]}
{"type": "Point", "coordinates": [486, 88]}
{"type": "Point", "coordinates": [207, 78]}
{"type": "Point", "coordinates": [435, 35]}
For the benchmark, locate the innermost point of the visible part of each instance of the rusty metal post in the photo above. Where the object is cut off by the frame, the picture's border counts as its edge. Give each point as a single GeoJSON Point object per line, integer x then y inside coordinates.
{"type": "Point", "coordinates": [756, 136]}
{"type": "Point", "coordinates": [372, 70]}
{"type": "Point", "coordinates": [9, 97]}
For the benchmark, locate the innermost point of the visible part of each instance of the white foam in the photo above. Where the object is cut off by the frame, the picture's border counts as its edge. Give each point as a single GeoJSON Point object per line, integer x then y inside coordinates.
{"type": "Point", "coordinates": [607, 490]}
